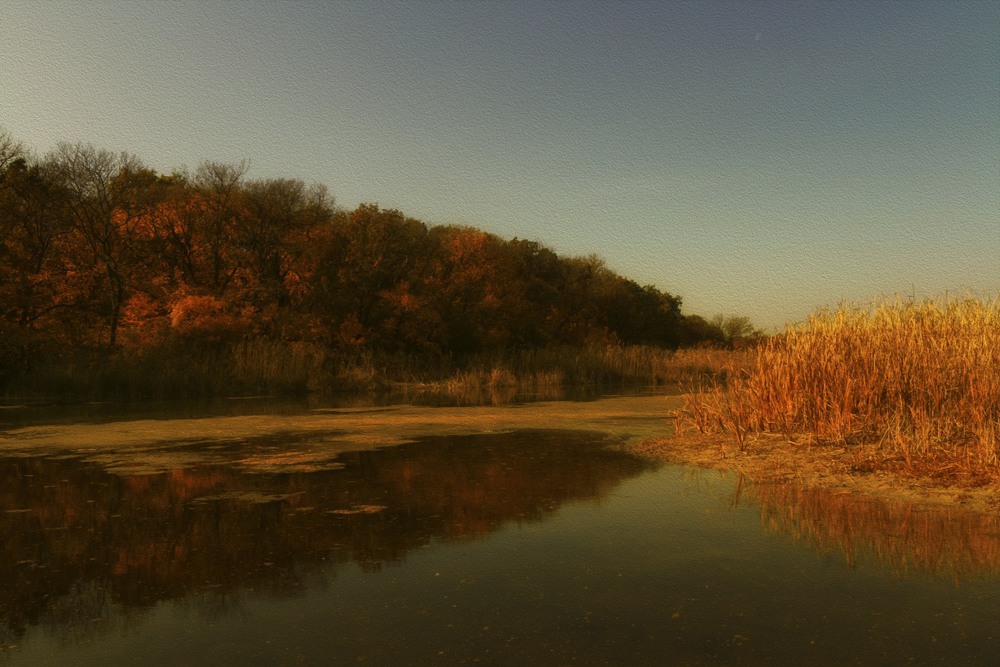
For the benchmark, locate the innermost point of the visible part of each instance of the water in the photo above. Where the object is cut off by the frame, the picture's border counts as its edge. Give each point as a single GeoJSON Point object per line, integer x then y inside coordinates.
{"type": "Point", "coordinates": [519, 546]}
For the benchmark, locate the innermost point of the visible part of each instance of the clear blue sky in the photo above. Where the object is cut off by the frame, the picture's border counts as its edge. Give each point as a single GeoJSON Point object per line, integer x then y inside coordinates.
{"type": "Point", "coordinates": [762, 159]}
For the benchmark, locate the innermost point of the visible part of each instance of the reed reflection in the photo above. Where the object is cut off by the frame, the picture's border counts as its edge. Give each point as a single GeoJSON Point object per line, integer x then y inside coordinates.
{"type": "Point", "coordinates": [79, 544]}
{"type": "Point", "coordinates": [904, 536]}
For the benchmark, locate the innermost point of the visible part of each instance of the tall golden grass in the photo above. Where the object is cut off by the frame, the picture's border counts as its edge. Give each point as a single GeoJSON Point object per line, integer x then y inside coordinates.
{"type": "Point", "coordinates": [913, 381]}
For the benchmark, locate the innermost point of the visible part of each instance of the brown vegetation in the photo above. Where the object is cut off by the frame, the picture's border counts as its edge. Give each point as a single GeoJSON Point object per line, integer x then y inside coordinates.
{"type": "Point", "coordinates": [117, 281]}
{"type": "Point", "coordinates": [913, 386]}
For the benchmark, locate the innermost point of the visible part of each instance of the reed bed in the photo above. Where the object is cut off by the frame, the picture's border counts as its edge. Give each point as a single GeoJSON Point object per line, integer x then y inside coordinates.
{"type": "Point", "coordinates": [554, 373]}
{"type": "Point", "coordinates": [916, 382]}
{"type": "Point", "coordinates": [265, 366]}
{"type": "Point", "coordinates": [278, 367]}
{"type": "Point", "coordinates": [635, 364]}
{"type": "Point", "coordinates": [255, 366]}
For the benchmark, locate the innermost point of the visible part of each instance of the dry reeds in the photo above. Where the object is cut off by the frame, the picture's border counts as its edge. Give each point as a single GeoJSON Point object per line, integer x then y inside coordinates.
{"type": "Point", "coordinates": [915, 381]}
{"type": "Point", "coordinates": [277, 367]}
{"type": "Point", "coordinates": [632, 364]}
{"type": "Point", "coordinates": [600, 367]}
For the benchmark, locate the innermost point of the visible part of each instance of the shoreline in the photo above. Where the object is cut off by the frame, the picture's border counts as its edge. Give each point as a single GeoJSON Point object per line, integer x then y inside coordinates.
{"type": "Point", "coordinates": [772, 460]}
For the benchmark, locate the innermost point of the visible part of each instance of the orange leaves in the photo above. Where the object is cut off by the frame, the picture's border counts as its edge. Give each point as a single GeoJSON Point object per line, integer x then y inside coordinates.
{"type": "Point", "coordinates": [401, 299]}
{"type": "Point", "coordinates": [207, 318]}
{"type": "Point", "coordinates": [351, 333]}
{"type": "Point", "coordinates": [144, 319]}
{"type": "Point", "coordinates": [92, 242]}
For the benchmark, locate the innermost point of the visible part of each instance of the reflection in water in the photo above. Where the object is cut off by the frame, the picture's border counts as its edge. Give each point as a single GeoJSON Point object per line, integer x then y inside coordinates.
{"type": "Point", "coordinates": [897, 534]}
{"type": "Point", "coordinates": [78, 543]}
{"type": "Point", "coordinates": [471, 549]}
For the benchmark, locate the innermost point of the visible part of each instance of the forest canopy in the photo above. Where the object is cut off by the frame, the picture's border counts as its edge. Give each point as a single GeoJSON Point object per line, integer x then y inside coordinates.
{"type": "Point", "coordinates": [100, 254]}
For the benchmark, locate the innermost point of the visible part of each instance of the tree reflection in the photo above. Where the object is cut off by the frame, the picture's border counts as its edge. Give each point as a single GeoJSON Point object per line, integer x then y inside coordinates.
{"type": "Point", "coordinates": [78, 543]}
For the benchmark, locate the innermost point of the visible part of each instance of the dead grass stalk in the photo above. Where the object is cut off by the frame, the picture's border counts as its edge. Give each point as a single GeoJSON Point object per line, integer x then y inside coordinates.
{"type": "Point", "coordinates": [916, 382]}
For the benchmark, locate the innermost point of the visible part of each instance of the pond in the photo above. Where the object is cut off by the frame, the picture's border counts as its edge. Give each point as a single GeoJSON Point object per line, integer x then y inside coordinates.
{"type": "Point", "coordinates": [510, 535]}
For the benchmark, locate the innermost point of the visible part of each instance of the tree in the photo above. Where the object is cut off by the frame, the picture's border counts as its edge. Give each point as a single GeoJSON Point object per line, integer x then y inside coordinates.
{"type": "Point", "coordinates": [110, 199]}
{"type": "Point", "coordinates": [585, 286]}
{"type": "Point", "coordinates": [11, 151]}
{"type": "Point", "coordinates": [641, 315]}
{"type": "Point", "coordinates": [468, 290]}
{"type": "Point", "coordinates": [737, 330]}
{"type": "Point", "coordinates": [697, 331]}
{"type": "Point", "coordinates": [274, 236]}
{"type": "Point", "coordinates": [217, 188]}
{"type": "Point", "coordinates": [370, 280]}
{"type": "Point", "coordinates": [33, 285]}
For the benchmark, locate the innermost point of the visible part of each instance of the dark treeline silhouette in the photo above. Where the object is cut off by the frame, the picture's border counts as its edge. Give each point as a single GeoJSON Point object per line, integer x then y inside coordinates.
{"type": "Point", "coordinates": [103, 259]}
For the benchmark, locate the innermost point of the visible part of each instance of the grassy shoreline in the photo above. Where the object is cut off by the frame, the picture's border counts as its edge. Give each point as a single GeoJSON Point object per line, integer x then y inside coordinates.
{"type": "Point", "coordinates": [265, 367]}
{"type": "Point", "coordinates": [911, 524]}
{"type": "Point", "coordinates": [777, 462]}
{"type": "Point", "coordinates": [909, 390]}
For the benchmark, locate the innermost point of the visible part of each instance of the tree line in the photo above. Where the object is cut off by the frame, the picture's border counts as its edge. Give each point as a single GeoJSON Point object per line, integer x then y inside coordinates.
{"type": "Point", "coordinates": [101, 254]}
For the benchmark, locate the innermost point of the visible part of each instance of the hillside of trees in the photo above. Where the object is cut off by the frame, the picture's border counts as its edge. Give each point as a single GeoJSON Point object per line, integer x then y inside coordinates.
{"type": "Point", "coordinates": [103, 261]}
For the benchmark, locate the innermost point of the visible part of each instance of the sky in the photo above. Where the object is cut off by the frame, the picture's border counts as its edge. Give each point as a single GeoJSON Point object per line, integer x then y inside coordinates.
{"type": "Point", "coordinates": [755, 158]}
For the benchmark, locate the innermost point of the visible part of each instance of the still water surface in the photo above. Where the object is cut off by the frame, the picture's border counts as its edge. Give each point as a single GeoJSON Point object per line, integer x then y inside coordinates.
{"type": "Point", "coordinates": [519, 547]}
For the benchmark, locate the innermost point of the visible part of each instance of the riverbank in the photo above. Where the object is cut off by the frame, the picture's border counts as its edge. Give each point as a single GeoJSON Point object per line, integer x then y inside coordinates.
{"type": "Point", "coordinates": [896, 399]}
{"type": "Point", "coordinates": [312, 440]}
{"type": "Point", "coordinates": [258, 367]}
{"type": "Point", "coordinates": [772, 460]}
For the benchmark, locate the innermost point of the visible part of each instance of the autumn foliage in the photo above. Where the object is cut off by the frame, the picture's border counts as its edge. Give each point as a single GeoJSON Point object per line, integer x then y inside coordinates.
{"type": "Point", "coordinates": [105, 263]}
